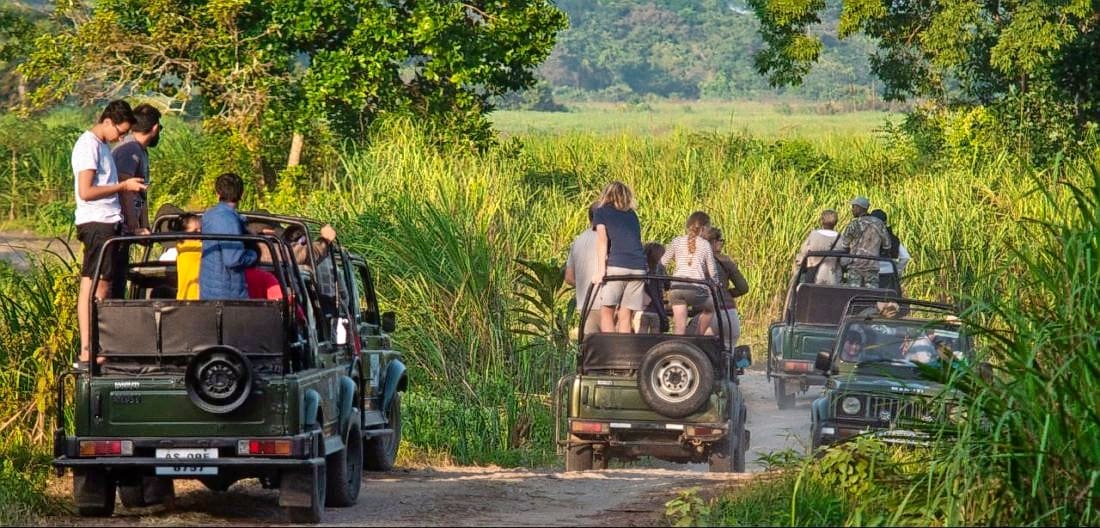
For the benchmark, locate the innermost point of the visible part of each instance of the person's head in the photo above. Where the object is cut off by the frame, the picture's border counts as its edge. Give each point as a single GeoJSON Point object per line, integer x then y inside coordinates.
{"type": "Point", "coordinates": [828, 219]}
{"type": "Point", "coordinates": [617, 195]}
{"type": "Point", "coordinates": [853, 345]}
{"type": "Point", "coordinates": [880, 214]}
{"type": "Point", "coordinates": [714, 236]}
{"type": "Point", "coordinates": [694, 227]}
{"type": "Point", "coordinates": [860, 205]}
{"type": "Point", "coordinates": [116, 120]}
{"type": "Point", "coordinates": [229, 187]}
{"type": "Point", "coordinates": [147, 125]}
{"type": "Point", "coordinates": [653, 253]}
{"type": "Point", "coordinates": [191, 223]}
{"type": "Point", "coordinates": [592, 214]}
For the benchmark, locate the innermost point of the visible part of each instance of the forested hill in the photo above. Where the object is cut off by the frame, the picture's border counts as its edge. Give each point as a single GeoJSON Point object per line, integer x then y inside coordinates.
{"type": "Point", "coordinates": [615, 49]}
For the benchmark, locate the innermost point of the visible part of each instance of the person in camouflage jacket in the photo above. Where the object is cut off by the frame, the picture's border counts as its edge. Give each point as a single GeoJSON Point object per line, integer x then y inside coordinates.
{"type": "Point", "coordinates": [865, 235]}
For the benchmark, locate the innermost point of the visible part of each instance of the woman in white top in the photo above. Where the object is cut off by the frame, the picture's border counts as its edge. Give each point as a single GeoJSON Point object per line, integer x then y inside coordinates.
{"type": "Point", "coordinates": [694, 259]}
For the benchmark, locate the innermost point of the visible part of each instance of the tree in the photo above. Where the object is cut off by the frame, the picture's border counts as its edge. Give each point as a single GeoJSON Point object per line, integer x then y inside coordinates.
{"type": "Point", "coordinates": [955, 51]}
{"type": "Point", "coordinates": [283, 64]}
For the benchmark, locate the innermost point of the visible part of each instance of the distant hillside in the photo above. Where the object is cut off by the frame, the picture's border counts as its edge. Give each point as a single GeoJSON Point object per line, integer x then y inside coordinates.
{"type": "Point", "coordinates": [616, 49]}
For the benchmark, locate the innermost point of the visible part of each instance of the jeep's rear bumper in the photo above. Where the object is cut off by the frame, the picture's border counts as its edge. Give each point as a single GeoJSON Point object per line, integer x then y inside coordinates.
{"type": "Point", "coordinates": [304, 453]}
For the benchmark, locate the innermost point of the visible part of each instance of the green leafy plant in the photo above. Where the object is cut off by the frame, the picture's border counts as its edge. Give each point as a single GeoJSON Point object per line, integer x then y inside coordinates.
{"type": "Point", "coordinates": [687, 509]}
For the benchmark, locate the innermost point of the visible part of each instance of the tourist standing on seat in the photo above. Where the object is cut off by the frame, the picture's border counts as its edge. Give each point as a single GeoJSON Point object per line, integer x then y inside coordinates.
{"type": "Point", "coordinates": [221, 273]}
{"type": "Point", "coordinates": [98, 213]}
{"type": "Point", "coordinates": [887, 278]}
{"type": "Point", "coordinates": [131, 157]}
{"type": "Point", "coordinates": [865, 236]}
{"type": "Point", "coordinates": [618, 252]}
{"type": "Point", "coordinates": [694, 260]}
{"type": "Point", "coordinates": [579, 268]}
{"type": "Point", "coordinates": [820, 270]}
{"type": "Point", "coordinates": [731, 284]}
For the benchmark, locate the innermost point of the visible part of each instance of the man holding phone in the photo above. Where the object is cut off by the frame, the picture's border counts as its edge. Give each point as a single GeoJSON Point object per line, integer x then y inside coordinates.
{"type": "Point", "coordinates": [131, 157]}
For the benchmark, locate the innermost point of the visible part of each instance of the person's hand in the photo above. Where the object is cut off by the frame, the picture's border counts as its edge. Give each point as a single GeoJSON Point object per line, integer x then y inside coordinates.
{"type": "Point", "coordinates": [142, 231]}
{"type": "Point", "coordinates": [598, 276]}
{"type": "Point", "coordinates": [328, 233]}
{"type": "Point", "coordinates": [133, 185]}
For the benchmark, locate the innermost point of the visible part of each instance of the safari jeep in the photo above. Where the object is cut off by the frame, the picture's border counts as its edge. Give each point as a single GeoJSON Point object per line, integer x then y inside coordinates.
{"type": "Point", "coordinates": [886, 372]}
{"type": "Point", "coordinates": [673, 397]}
{"type": "Point", "coordinates": [811, 314]}
{"type": "Point", "coordinates": [302, 393]}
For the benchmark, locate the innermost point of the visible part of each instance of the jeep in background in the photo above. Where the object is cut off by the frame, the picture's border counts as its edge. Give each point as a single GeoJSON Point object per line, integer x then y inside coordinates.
{"type": "Point", "coordinates": [886, 372]}
{"type": "Point", "coordinates": [302, 393]}
{"type": "Point", "coordinates": [673, 397]}
{"type": "Point", "coordinates": [811, 314]}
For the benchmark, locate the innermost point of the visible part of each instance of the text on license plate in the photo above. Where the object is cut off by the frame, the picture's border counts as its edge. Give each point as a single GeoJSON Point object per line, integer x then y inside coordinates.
{"type": "Point", "coordinates": [183, 455]}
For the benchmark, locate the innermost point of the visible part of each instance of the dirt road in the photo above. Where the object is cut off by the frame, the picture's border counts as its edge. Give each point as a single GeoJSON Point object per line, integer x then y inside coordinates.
{"type": "Point", "coordinates": [626, 496]}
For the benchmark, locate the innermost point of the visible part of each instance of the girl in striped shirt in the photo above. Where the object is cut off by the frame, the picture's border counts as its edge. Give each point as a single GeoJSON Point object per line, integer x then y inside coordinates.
{"type": "Point", "coordinates": [694, 259]}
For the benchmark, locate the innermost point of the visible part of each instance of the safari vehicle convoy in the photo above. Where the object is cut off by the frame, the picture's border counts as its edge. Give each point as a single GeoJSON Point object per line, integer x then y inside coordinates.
{"type": "Point", "coordinates": [886, 371]}
{"type": "Point", "coordinates": [813, 309]}
{"type": "Point", "coordinates": [649, 393]}
{"type": "Point", "coordinates": [302, 392]}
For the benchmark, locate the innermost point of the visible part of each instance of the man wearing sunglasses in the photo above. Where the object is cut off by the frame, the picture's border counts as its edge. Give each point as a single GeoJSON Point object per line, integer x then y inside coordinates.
{"type": "Point", "coordinates": [98, 212]}
{"type": "Point", "coordinates": [131, 157]}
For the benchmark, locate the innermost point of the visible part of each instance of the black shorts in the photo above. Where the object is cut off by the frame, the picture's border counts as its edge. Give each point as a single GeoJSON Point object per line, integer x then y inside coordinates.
{"type": "Point", "coordinates": [92, 236]}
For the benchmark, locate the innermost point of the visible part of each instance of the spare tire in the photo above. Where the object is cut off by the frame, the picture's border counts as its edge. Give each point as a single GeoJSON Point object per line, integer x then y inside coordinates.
{"type": "Point", "coordinates": [219, 379]}
{"type": "Point", "coordinates": [676, 378]}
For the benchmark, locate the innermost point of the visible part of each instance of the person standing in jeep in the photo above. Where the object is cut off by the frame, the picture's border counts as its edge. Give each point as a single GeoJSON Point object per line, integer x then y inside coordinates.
{"type": "Point", "coordinates": [865, 236]}
{"type": "Point", "coordinates": [221, 273]}
{"type": "Point", "coordinates": [98, 215]}
{"type": "Point", "coordinates": [131, 157]}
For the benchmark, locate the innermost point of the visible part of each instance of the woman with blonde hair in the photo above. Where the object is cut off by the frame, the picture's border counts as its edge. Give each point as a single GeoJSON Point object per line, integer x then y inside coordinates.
{"type": "Point", "coordinates": [694, 260]}
{"type": "Point", "coordinates": [618, 252]}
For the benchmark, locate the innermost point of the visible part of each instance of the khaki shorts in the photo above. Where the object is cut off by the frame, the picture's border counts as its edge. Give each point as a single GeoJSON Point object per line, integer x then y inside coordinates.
{"type": "Point", "coordinates": [623, 293]}
{"type": "Point", "coordinates": [695, 297]}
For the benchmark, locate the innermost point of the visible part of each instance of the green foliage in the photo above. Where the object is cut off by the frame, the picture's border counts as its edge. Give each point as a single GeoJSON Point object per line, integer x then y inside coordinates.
{"type": "Point", "coordinates": [24, 473]}
{"type": "Point", "coordinates": [687, 509]}
{"type": "Point", "coordinates": [852, 467]}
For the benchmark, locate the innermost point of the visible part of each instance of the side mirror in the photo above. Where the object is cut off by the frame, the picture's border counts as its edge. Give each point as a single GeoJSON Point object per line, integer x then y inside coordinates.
{"type": "Point", "coordinates": [742, 356]}
{"type": "Point", "coordinates": [824, 361]}
{"type": "Point", "coordinates": [389, 322]}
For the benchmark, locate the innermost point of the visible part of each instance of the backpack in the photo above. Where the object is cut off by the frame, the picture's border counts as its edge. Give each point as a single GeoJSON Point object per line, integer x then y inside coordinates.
{"type": "Point", "coordinates": [894, 250]}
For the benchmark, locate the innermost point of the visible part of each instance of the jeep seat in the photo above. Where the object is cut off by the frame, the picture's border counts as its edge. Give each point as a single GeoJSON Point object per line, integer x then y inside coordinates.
{"type": "Point", "coordinates": [824, 304]}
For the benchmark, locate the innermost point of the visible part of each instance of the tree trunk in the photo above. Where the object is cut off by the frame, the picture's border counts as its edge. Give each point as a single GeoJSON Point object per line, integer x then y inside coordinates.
{"type": "Point", "coordinates": [295, 156]}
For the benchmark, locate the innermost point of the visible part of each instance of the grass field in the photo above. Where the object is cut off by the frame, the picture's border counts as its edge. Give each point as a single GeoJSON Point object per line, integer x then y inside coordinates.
{"type": "Point", "coordinates": [768, 119]}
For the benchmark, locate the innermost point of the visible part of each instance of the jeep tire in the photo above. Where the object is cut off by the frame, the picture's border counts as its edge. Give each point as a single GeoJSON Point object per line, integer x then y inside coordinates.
{"type": "Point", "coordinates": [381, 451]}
{"type": "Point", "coordinates": [578, 457]}
{"type": "Point", "coordinates": [782, 399]}
{"type": "Point", "coordinates": [344, 468]}
{"type": "Point", "coordinates": [93, 493]}
{"type": "Point", "coordinates": [675, 378]}
{"type": "Point", "coordinates": [729, 457]}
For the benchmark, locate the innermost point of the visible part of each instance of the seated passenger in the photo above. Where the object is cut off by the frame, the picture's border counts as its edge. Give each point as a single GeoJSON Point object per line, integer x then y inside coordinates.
{"type": "Point", "coordinates": [262, 284]}
{"type": "Point", "coordinates": [188, 260]}
{"type": "Point", "coordinates": [853, 346]}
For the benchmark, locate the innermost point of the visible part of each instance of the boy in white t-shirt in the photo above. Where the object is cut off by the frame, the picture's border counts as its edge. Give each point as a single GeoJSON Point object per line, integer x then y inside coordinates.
{"type": "Point", "coordinates": [98, 213]}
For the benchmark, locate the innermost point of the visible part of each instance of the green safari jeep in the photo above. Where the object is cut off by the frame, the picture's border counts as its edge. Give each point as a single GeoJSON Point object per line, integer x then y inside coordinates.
{"type": "Point", "coordinates": [886, 373]}
{"type": "Point", "coordinates": [813, 309]}
{"type": "Point", "coordinates": [301, 392]}
{"type": "Point", "coordinates": [650, 393]}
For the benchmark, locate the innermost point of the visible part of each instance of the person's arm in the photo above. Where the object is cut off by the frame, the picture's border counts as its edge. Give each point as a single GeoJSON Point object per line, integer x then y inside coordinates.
{"type": "Point", "coordinates": [801, 255]}
{"type": "Point", "coordinates": [740, 285]}
{"type": "Point", "coordinates": [709, 260]}
{"type": "Point", "coordinates": [668, 254]}
{"type": "Point", "coordinates": [903, 258]}
{"type": "Point", "coordinates": [89, 191]}
{"type": "Point", "coordinates": [601, 254]}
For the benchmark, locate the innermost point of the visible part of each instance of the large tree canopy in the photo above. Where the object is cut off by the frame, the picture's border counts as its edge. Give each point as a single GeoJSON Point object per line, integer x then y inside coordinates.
{"type": "Point", "coordinates": [262, 62]}
{"type": "Point", "coordinates": [976, 51]}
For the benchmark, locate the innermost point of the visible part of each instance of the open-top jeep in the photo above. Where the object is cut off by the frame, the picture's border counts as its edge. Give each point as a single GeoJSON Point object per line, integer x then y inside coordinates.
{"type": "Point", "coordinates": [813, 308]}
{"type": "Point", "coordinates": [886, 372]}
{"type": "Point", "coordinates": [673, 397]}
{"type": "Point", "coordinates": [302, 392]}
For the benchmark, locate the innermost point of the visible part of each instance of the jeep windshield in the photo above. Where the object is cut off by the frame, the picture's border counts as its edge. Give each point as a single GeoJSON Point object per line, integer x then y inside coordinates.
{"type": "Point", "coordinates": [901, 343]}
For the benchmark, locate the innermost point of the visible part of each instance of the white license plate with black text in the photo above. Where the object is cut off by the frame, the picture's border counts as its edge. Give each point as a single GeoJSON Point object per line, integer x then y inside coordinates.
{"type": "Point", "coordinates": [181, 456]}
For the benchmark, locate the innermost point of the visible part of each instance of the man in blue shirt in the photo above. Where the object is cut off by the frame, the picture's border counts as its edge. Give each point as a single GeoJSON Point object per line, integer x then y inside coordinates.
{"type": "Point", "coordinates": [221, 274]}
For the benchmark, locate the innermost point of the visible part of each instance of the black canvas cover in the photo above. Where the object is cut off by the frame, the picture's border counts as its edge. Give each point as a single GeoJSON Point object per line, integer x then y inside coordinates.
{"type": "Point", "coordinates": [824, 304]}
{"type": "Point", "coordinates": [613, 351]}
{"type": "Point", "coordinates": [179, 328]}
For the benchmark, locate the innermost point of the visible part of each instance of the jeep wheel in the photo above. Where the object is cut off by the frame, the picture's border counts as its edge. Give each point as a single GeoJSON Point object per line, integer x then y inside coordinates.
{"type": "Point", "coordinates": [729, 457]}
{"type": "Point", "coordinates": [345, 468]}
{"type": "Point", "coordinates": [381, 451]}
{"type": "Point", "coordinates": [148, 491]}
{"type": "Point", "coordinates": [307, 514]}
{"type": "Point", "coordinates": [782, 399]}
{"type": "Point", "coordinates": [578, 457]}
{"type": "Point", "coordinates": [93, 493]}
{"type": "Point", "coordinates": [675, 379]}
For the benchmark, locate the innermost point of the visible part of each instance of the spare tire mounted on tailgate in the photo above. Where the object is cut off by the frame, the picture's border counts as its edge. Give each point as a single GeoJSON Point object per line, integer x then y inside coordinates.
{"type": "Point", "coordinates": [219, 379]}
{"type": "Point", "coordinates": [676, 378]}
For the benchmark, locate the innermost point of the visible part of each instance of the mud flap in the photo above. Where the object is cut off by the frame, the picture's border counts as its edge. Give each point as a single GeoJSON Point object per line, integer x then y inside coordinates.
{"type": "Point", "coordinates": [296, 487]}
{"type": "Point", "coordinates": [91, 487]}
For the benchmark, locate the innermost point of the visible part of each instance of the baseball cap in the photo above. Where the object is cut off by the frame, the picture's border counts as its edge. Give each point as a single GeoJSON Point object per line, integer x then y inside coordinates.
{"type": "Point", "coordinates": [862, 202]}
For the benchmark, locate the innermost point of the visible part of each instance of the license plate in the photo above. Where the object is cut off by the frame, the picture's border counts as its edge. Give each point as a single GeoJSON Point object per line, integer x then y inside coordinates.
{"type": "Point", "coordinates": [183, 455]}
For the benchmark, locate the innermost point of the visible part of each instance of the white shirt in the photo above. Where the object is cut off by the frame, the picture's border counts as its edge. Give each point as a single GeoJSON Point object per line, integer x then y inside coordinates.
{"type": "Point", "coordinates": [582, 258]}
{"type": "Point", "coordinates": [90, 153]}
{"type": "Point", "coordinates": [885, 268]}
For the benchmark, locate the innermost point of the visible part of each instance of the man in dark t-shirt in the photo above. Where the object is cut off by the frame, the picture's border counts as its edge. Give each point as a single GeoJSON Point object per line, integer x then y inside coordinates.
{"type": "Point", "coordinates": [132, 160]}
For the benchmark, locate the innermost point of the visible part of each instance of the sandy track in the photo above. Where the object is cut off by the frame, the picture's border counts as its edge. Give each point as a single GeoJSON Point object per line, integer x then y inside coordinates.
{"type": "Point", "coordinates": [633, 495]}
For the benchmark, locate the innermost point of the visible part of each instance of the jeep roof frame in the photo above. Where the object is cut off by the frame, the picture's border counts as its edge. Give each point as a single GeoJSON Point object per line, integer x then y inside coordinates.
{"type": "Point", "coordinates": [719, 301]}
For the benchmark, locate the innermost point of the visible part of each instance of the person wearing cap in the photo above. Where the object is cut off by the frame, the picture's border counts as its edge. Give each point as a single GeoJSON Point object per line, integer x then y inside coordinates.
{"type": "Point", "coordinates": [887, 278]}
{"type": "Point", "coordinates": [864, 236]}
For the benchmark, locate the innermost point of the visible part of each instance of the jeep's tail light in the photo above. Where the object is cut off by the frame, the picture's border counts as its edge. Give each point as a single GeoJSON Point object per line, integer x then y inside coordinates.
{"type": "Point", "coordinates": [90, 448]}
{"type": "Point", "coordinates": [263, 447]}
{"type": "Point", "coordinates": [704, 431]}
{"type": "Point", "coordinates": [588, 427]}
